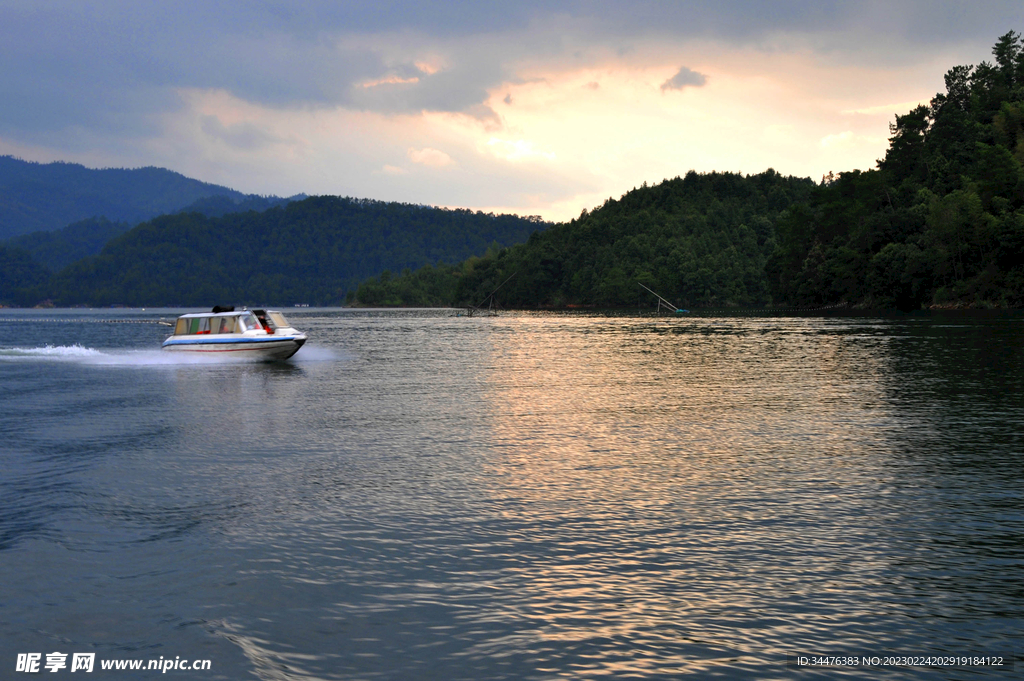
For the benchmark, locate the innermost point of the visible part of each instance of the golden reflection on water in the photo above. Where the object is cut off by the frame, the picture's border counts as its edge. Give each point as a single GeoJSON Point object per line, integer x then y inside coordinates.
{"type": "Point", "coordinates": [617, 390]}
{"type": "Point", "coordinates": [661, 470]}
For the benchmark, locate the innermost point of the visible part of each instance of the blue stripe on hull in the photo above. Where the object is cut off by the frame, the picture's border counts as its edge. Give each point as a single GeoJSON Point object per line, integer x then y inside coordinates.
{"type": "Point", "coordinates": [228, 341]}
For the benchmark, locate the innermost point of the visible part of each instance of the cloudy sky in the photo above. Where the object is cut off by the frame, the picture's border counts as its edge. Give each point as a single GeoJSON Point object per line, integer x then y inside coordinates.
{"type": "Point", "coordinates": [527, 107]}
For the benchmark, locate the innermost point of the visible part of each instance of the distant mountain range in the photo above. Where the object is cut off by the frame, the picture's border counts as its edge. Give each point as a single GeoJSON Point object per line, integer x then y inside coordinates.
{"type": "Point", "coordinates": [70, 235]}
{"type": "Point", "coordinates": [75, 236]}
{"type": "Point", "coordinates": [38, 197]}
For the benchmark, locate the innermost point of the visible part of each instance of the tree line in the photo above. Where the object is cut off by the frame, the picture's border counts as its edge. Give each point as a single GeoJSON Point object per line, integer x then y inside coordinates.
{"type": "Point", "coordinates": [699, 240]}
{"type": "Point", "coordinates": [939, 222]}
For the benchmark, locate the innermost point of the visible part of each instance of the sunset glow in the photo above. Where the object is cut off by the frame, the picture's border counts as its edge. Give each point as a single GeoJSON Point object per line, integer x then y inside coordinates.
{"type": "Point", "coordinates": [534, 111]}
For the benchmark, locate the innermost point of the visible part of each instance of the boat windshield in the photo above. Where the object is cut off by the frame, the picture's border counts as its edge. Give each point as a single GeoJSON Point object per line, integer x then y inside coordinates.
{"type": "Point", "coordinates": [247, 321]}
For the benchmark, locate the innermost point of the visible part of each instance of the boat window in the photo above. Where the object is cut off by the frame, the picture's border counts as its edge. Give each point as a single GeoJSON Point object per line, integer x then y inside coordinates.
{"type": "Point", "coordinates": [181, 328]}
{"type": "Point", "coordinates": [204, 325]}
{"type": "Point", "coordinates": [193, 325]}
{"type": "Point", "coordinates": [226, 325]}
{"type": "Point", "coordinates": [278, 320]}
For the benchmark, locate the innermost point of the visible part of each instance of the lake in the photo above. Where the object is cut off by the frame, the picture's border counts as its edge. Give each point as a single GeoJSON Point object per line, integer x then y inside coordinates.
{"type": "Point", "coordinates": [417, 495]}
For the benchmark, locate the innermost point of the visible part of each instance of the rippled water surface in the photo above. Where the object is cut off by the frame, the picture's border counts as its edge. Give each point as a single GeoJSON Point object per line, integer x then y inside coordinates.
{"type": "Point", "coordinates": [422, 496]}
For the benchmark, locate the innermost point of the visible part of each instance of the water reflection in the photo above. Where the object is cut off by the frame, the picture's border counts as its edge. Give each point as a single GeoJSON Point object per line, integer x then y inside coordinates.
{"type": "Point", "coordinates": [525, 497]}
{"type": "Point", "coordinates": [954, 512]}
{"type": "Point", "coordinates": [744, 475]}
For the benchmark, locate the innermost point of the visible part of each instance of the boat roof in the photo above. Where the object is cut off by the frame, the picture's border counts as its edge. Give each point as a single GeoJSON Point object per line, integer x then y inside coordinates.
{"type": "Point", "coordinates": [233, 313]}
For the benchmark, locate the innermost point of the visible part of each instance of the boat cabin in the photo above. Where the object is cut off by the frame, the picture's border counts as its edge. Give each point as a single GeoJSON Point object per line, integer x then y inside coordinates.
{"type": "Point", "coordinates": [254, 334]}
{"type": "Point", "coordinates": [230, 322]}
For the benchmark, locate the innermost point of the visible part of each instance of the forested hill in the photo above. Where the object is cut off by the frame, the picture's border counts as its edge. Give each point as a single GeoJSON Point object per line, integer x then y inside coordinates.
{"type": "Point", "coordinates": [313, 251]}
{"type": "Point", "coordinates": [22, 280]}
{"type": "Point", "coordinates": [698, 240]}
{"type": "Point", "coordinates": [57, 249]}
{"type": "Point", "coordinates": [940, 222]}
{"type": "Point", "coordinates": [42, 197]}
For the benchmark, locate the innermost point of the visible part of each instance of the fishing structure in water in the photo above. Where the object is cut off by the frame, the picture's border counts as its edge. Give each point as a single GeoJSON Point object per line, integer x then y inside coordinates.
{"type": "Point", "coordinates": [492, 307]}
{"type": "Point", "coordinates": [662, 302]}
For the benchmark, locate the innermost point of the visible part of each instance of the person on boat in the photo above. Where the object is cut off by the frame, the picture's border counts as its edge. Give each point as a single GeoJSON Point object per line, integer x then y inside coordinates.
{"type": "Point", "coordinates": [262, 318]}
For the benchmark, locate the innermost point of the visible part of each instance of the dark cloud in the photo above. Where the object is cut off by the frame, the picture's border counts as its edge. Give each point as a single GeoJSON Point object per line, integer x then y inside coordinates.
{"type": "Point", "coordinates": [684, 78]}
{"type": "Point", "coordinates": [461, 87]}
{"type": "Point", "coordinates": [116, 67]}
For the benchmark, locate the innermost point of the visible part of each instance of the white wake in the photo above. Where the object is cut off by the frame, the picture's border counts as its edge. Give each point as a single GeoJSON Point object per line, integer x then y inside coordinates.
{"type": "Point", "coordinates": [78, 354]}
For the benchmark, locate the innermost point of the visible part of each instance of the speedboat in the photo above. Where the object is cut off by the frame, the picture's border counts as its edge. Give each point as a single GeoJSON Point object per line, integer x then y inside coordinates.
{"type": "Point", "coordinates": [250, 334]}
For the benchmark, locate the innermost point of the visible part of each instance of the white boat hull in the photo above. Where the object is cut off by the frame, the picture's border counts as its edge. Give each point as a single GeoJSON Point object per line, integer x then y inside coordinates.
{"type": "Point", "coordinates": [260, 347]}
